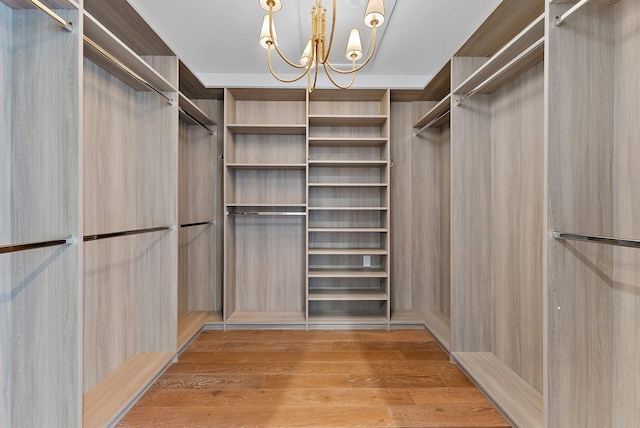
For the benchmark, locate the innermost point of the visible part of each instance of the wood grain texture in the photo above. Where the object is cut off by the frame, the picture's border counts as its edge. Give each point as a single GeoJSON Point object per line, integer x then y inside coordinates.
{"type": "Point", "coordinates": [291, 378]}
{"type": "Point", "coordinates": [517, 167]}
{"type": "Point", "coordinates": [626, 181]}
{"type": "Point", "coordinates": [129, 301]}
{"type": "Point", "coordinates": [40, 341]}
{"type": "Point", "coordinates": [581, 155]}
{"type": "Point", "coordinates": [401, 220]}
{"type": "Point", "coordinates": [470, 221]}
{"type": "Point", "coordinates": [40, 338]}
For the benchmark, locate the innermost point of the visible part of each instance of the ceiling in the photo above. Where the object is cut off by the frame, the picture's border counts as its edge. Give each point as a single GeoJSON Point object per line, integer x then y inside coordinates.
{"type": "Point", "coordinates": [218, 39]}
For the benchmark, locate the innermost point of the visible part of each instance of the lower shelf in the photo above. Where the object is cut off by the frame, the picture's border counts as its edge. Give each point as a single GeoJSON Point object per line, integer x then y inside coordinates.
{"type": "Point", "coordinates": [266, 317]}
{"type": "Point", "coordinates": [347, 318]}
{"type": "Point", "coordinates": [519, 401]}
{"type": "Point", "coordinates": [350, 294]}
{"type": "Point", "coordinates": [190, 324]}
{"type": "Point", "coordinates": [106, 401]}
{"type": "Point", "coordinates": [439, 325]}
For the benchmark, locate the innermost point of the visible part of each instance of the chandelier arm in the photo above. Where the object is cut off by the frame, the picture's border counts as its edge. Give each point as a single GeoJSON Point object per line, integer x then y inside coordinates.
{"type": "Point", "coordinates": [275, 45]}
{"type": "Point", "coordinates": [353, 78]}
{"type": "Point", "coordinates": [295, 79]}
{"type": "Point", "coordinates": [361, 66]}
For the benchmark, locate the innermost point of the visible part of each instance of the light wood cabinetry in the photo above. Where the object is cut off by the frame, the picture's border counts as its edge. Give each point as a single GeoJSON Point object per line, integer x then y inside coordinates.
{"type": "Point", "coordinates": [40, 196]}
{"type": "Point", "coordinates": [265, 203]}
{"type": "Point", "coordinates": [348, 213]}
{"type": "Point", "coordinates": [592, 299]}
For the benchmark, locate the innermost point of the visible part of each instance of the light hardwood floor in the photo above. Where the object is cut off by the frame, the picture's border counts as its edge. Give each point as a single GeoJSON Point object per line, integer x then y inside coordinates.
{"type": "Point", "coordinates": [398, 378]}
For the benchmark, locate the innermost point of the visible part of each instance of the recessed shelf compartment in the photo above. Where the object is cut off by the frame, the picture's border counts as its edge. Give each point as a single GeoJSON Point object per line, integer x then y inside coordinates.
{"type": "Point", "coordinates": [347, 294]}
{"type": "Point", "coordinates": [348, 163]}
{"type": "Point", "coordinates": [347, 317]}
{"type": "Point", "coordinates": [345, 273]}
{"type": "Point", "coordinates": [275, 166]}
{"type": "Point", "coordinates": [348, 251]}
{"type": "Point", "coordinates": [347, 120]}
{"type": "Point", "coordinates": [347, 142]}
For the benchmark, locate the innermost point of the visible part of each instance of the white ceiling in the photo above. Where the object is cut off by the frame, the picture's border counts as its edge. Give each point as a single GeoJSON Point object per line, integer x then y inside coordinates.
{"type": "Point", "coordinates": [218, 39]}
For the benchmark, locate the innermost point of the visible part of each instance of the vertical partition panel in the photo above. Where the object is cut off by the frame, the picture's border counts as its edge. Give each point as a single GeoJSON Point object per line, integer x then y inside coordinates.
{"type": "Point", "coordinates": [581, 80]}
{"type": "Point", "coordinates": [39, 292]}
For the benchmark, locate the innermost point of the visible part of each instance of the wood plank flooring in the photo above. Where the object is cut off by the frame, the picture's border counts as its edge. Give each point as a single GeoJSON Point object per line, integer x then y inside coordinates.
{"type": "Point", "coordinates": [398, 378]}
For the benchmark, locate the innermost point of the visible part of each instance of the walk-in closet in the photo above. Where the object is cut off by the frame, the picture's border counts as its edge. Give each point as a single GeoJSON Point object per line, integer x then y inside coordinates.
{"type": "Point", "coordinates": [150, 223]}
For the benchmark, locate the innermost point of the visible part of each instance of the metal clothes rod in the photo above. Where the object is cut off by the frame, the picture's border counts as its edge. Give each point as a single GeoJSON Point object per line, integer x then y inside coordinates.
{"type": "Point", "coordinates": [125, 233]}
{"type": "Point", "coordinates": [266, 213]}
{"type": "Point", "coordinates": [428, 125]}
{"type": "Point", "coordinates": [619, 242]}
{"type": "Point", "coordinates": [13, 248]}
{"type": "Point", "coordinates": [505, 68]}
{"type": "Point", "coordinates": [197, 121]}
{"type": "Point", "coordinates": [201, 223]}
{"type": "Point", "coordinates": [564, 16]}
{"type": "Point", "coordinates": [126, 69]}
{"type": "Point", "coordinates": [66, 25]}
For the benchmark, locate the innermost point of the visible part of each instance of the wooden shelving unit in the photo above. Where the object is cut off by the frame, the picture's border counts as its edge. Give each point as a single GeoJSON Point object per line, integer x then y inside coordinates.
{"type": "Point", "coordinates": [265, 198]}
{"type": "Point", "coordinates": [348, 177]}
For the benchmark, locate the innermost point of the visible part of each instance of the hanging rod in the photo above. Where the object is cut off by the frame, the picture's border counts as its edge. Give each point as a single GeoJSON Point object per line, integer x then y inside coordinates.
{"type": "Point", "coordinates": [266, 213]}
{"type": "Point", "coordinates": [13, 248]}
{"type": "Point", "coordinates": [560, 19]}
{"type": "Point", "coordinates": [428, 125]}
{"type": "Point", "coordinates": [524, 54]}
{"type": "Point", "coordinates": [66, 25]}
{"type": "Point", "coordinates": [201, 223]}
{"type": "Point", "coordinates": [620, 242]}
{"type": "Point", "coordinates": [125, 233]}
{"type": "Point", "coordinates": [126, 69]}
{"type": "Point", "coordinates": [183, 111]}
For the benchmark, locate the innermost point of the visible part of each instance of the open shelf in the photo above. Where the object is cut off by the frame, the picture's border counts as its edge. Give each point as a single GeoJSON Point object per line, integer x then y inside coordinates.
{"type": "Point", "coordinates": [347, 120]}
{"type": "Point", "coordinates": [521, 403]}
{"type": "Point", "coordinates": [348, 208]}
{"type": "Point", "coordinates": [193, 110]}
{"type": "Point", "coordinates": [266, 317]}
{"type": "Point", "coordinates": [348, 229]}
{"type": "Point", "coordinates": [191, 323]}
{"type": "Point", "coordinates": [103, 403]}
{"type": "Point", "coordinates": [347, 294]}
{"type": "Point", "coordinates": [299, 166]}
{"type": "Point", "coordinates": [346, 142]}
{"type": "Point", "coordinates": [263, 129]}
{"type": "Point", "coordinates": [348, 185]}
{"type": "Point", "coordinates": [347, 318]}
{"type": "Point", "coordinates": [517, 56]}
{"type": "Point", "coordinates": [348, 252]}
{"type": "Point", "coordinates": [347, 274]}
{"type": "Point", "coordinates": [438, 111]}
{"type": "Point", "coordinates": [440, 327]}
{"type": "Point", "coordinates": [348, 163]}
{"type": "Point", "coordinates": [117, 50]}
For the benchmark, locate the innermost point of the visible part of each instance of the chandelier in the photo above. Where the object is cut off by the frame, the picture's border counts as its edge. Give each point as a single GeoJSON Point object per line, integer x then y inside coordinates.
{"type": "Point", "coordinates": [318, 48]}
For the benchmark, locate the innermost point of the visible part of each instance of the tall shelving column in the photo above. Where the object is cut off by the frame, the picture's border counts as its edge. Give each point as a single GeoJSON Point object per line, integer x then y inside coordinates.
{"type": "Point", "coordinates": [348, 194]}
{"type": "Point", "coordinates": [40, 199]}
{"type": "Point", "coordinates": [265, 203]}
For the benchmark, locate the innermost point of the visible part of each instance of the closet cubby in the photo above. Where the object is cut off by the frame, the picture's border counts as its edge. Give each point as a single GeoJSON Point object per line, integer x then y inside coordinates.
{"type": "Point", "coordinates": [130, 194]}
{"type": "Point", "coordinates": [199, 289]}
{"type": "Point", "coordinates": [430, 164]}
{"type": "Point", "coordinates": [40, 194]}
{"type": "Point", "coordinates": [348, 198]}
{"type": "Point", "coordinates": [265, 198]}
{"type": "Point", "coordinates": [592, 296]}
{"type": "Point", "coordinates": [497, 211]}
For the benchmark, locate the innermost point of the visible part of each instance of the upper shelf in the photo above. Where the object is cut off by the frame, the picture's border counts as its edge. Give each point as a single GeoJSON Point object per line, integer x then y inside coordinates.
{"type": "Point", "coordinates": [194, 111]}
{"type": "Point", "coordinates": [51, 4]}
{"type": "Point", "coordinates": [256, 129]}
{"type": "Point", "coordinates": [437, 116]}
{"type": "Point", "coordinates": [108, 52]}
{"type": "Point", "coordinates": [347, 142]}
{"type": "Point", "coordinates": [347, 120]}
{"type": "Point", "coordinates": [520, 54]}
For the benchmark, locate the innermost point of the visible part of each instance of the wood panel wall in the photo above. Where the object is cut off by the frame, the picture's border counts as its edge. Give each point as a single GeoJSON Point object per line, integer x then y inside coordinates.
{"type": "Point", "coordinates": [593, 289]}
